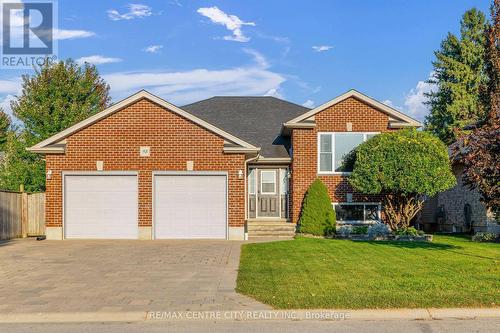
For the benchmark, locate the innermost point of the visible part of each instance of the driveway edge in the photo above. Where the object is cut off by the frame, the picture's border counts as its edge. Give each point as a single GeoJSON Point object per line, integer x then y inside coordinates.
{"type": "Point", "coordinates": [251, 315]}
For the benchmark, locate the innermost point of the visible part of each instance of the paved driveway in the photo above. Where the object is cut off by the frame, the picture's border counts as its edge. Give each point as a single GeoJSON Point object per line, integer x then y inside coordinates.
{"type": "Point", "coordinates": [67, 276]}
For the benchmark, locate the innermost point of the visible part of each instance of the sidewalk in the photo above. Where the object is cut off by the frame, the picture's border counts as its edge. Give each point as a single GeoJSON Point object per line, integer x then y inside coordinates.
{"type": "Point", "coordinates": [253, 315]}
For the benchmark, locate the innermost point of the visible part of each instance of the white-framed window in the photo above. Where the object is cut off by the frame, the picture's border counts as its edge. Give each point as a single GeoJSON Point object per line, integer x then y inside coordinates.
{"type": "Point", "coordinates": [357, 212]}
{"type": "Point", "coordinates": [268, 182]}
{"type": "Point", "coordinates": [251, 181]}
{"type": "Point", "coordinates": [334, 147]}
{"type": "Point", "coordinates": [283, 181]}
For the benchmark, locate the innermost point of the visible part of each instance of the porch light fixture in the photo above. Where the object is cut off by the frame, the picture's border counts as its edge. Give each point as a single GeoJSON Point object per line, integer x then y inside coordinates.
{"type": "Point", "coordinates": [240, 174]}
{"type": "Point", "coordinates": [49, 174]}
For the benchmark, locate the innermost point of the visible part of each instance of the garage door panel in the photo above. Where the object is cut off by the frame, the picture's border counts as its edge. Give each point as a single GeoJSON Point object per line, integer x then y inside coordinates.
{"type": "Point", "coordinates": [100, 206]}
{"type": "Point", "coordinates": [190, 206]}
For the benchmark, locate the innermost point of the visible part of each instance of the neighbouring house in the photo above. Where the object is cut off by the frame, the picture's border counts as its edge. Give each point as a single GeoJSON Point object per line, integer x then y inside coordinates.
{"type": "Point", "coordinates": [458, 209]}
{"type": "Point", "coordinates": [224, 167]}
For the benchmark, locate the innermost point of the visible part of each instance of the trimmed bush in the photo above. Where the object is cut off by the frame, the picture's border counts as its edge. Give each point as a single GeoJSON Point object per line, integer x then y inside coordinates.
{"type": "Point", "coordinates": [484, 237]}
{"type": "Point", "coordinates": [360, 230]}
{"type": "Point", "coordinates": [317, 216]}
{"type": "Point", "coordinates": [410, 231]}
{"type": "Point", "coordinates": [344, 230]}
{"type": "Point", "coordinates": [379, 229]}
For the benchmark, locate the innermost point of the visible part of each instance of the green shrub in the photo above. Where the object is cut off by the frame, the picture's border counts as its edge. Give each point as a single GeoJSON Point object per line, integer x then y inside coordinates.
{"type": "Point", "coordinates": [402, 166]}
{"type": "Point", "coordinates": [484, 237]}
{"type": "Point", "coordinates": [317, 216]}
{"type": "Point", "coordinates": [410, 231]}
{"type": "Point", "coordinates": [360, 230]}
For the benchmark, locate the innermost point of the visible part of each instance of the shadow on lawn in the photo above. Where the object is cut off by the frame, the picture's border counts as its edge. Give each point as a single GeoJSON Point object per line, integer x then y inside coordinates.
{"type": "Point", "coordinates": [431, 246]}
{"type": "Point", "coordinates": [416, 245]}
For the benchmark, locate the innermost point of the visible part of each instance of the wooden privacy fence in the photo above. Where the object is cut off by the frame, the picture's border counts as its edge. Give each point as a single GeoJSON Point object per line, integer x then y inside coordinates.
{"type": "Point", "coordinates": [21, 214]}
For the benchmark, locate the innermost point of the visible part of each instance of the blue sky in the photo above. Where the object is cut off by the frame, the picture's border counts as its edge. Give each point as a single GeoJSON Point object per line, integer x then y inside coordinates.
{"type": "Point", "coordinates": [307, 52]}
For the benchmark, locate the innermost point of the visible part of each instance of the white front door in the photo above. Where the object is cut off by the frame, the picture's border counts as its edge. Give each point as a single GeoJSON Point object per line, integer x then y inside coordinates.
{"type": "Point", "coordinates": [100, 206]}
{"type": "Point", "coordinates": [188, 206]}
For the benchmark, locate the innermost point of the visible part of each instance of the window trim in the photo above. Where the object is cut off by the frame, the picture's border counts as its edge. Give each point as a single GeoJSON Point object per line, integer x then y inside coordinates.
{"type": "Point", "coordinates": [318, 151]}
{"type": "Point", "coordinates": [252, 172]}
{"type": "Point", "coordinates": [379, 204]}
{"type": "Point", "coordinates": [261, 182]}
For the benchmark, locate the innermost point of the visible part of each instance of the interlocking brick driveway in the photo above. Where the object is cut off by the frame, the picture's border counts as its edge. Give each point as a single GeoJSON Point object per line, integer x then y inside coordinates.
{"type": "Point", "coordinates": [87, 276]}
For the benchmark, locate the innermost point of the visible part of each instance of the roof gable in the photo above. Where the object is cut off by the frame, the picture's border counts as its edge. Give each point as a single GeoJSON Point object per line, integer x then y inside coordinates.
{"type": "Point", "coordinates": [53, 143]}
{"type": "Point", "coordinates": [396, 118]}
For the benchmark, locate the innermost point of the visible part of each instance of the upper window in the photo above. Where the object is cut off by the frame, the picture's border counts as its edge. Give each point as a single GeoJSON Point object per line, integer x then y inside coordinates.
{"type": "Point", "coordinates": [335, 150]}
{"type": "Point", "coordinates": [268, 182]}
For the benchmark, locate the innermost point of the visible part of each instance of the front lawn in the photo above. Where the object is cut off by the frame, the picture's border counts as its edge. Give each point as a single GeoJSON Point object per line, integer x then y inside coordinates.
{"type": "Point", "coordinates": [451, 271]}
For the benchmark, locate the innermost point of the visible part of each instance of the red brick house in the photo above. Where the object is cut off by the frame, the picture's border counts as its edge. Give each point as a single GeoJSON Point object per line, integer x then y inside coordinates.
{"type": "Point", "coordinates": [219, 168]}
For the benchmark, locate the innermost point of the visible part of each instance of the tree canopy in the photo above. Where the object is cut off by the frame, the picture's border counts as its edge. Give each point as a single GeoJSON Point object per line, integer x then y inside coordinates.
{"type": "Point", "coordinates": [459, 77]}
{"type": "Point", "coordinates": [4, 128]}
{"type": "Point", "coordinates": [479, 151]}
{"type": "Point", "coordinates": [57, 96]}
{"type": "Point", "coordinates": [403, 166]}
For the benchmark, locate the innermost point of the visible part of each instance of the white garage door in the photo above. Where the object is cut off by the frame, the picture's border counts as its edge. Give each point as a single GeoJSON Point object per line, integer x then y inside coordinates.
{"type": "Point", "coordinates": [100, 206]}
{"type": "Point", "coordinates": [190, 206]}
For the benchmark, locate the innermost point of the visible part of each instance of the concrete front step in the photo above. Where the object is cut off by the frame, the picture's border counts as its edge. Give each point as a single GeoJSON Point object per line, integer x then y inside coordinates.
{"type": "Point", "coordinates": [270, 229]}
{"type": "Point", "coordinates": [275, 228]}
{"type": "Point", "coordinates": [271, 234]}
{"type": "Point", "coordinates": [268, 238]}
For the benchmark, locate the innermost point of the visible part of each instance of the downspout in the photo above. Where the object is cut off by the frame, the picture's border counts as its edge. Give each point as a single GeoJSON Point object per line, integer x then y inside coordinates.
{"type": "Point", "coordinates": [246, 188]}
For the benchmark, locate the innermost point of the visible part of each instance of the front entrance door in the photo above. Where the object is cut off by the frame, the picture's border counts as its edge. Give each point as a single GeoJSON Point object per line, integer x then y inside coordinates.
{"type": "Point", "coordinates": [268, 202]}
{"type": "Point", "coordinates": [267, 193]}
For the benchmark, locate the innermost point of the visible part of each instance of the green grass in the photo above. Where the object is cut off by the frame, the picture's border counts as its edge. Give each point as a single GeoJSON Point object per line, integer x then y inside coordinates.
{"type": "Point", "coordinates": [451, 271]}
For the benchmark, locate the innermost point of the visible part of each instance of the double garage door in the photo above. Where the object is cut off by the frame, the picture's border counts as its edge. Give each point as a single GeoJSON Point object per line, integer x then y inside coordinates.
{"type": "Point", "coordinates": [185, 206]}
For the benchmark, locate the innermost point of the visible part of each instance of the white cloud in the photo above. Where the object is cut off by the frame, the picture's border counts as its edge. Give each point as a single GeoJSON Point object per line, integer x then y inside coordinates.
{"type": "Point", "coordinates": [175, 2]}
{"type": "Point", "coordinates": [232, 23]}
{"type": "Point", "coordinates": [388, 102]}
{"type": "Point", "coordinates": [135, 11]}
{"type": "Point", "coordinates": [153, 48]}
{"type": "Point", "coordinates": [322, 48]}
{"type": "Point", "coordinates": [274, 92]}
{"type": "Point", "coordinates": [61, 34]}
{"type": "Point", "coordinates": [259, 59]}
{"type": "Point", "coordinates": [10, 86]}
{"type": "Point", "coordinates": [414, 100]}
{"type": "Point", "coordinates": [308, 104]}
{"type": "Point", "coordinates": [189, 86]}
{"type": "Point", "coordinates": [97, 60]}
{"type": "Point", "coordinates": [17, 22]}
{"type": "Point", "coordinates": [5, 106]}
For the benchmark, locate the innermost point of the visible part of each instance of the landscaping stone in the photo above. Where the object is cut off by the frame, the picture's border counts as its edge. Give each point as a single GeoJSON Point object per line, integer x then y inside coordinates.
{"type": "Point", "coordinates": [396, 238]}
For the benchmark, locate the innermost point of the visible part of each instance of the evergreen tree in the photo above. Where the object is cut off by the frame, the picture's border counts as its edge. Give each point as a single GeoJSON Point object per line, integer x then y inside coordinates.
{"type": "Point", "coordinates": [317, 216]}
{"type": "Point", "coordinates": [459, 76]}
{"type": "Point", "coordinates": [4, 129]}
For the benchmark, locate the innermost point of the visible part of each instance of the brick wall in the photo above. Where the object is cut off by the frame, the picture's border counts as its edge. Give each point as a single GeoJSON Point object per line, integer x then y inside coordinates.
{"type": "Point", "coordinates": [116, 139]}
{"type": "Point", "coordinates": [363, 117]}
{"type": "Point", "coordinates": [453, 202]}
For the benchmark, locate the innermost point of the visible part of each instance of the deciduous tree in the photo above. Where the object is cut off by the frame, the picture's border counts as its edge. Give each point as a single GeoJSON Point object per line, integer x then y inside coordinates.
{"type": "Point", "coordinates": [402, 167]}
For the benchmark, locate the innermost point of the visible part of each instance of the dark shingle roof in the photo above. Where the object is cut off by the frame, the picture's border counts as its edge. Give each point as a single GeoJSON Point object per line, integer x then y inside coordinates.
{"type": "Point", "coordinates": [255, 119]}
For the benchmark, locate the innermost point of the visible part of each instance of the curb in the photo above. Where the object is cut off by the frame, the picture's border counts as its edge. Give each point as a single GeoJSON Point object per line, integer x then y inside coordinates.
{"type": "Point", "coordinates": [254, 315]}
